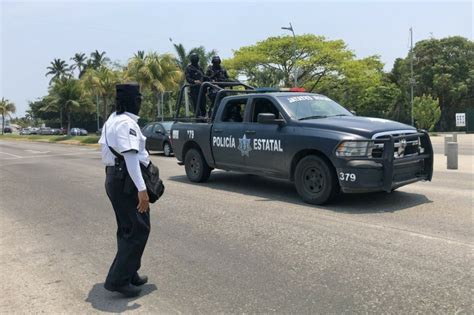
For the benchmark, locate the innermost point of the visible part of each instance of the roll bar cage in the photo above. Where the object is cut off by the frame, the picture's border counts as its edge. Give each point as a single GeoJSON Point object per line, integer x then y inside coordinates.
{"type": "Point", "coordinates": [222, 92]}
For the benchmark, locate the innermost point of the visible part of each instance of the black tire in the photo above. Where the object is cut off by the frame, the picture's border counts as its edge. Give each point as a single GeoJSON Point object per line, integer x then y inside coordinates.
{"type": "Point", "coordinates": [196, 167]}
{"type": "Point", "coordinates": [315, 180]}
{"type": "Point", "coordinates": [167, 149]}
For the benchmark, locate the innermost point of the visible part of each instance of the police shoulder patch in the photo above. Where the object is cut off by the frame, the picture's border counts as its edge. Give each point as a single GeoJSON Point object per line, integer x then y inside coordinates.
{"type": "Point", "coordinates": [133, 132]}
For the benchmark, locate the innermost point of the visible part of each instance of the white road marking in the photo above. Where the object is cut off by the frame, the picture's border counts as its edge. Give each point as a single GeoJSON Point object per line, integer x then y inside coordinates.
{"type": "Point", "coordinates": [45, 156]}
{"type": "Point", "coordinates": [16, 156]}
{"type": "Point", "coordinates": [37, 152]}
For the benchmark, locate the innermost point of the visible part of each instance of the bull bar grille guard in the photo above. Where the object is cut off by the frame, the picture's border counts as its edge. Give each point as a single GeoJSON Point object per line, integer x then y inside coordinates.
{"type": "Point", "coordinates": [389, 161]}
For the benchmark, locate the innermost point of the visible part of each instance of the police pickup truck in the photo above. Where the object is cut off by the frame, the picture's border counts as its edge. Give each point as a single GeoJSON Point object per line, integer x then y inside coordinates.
{"type": "Point", "coordinates": [306, 138]}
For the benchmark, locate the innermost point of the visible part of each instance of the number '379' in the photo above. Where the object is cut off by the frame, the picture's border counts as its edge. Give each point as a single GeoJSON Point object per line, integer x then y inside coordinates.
{"type": "Point", "coordinates": [347, 177]}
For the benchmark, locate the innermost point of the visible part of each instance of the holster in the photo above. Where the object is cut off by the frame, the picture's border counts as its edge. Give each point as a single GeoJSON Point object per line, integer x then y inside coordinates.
{"type": "Point", "coordinates": [120, 169]}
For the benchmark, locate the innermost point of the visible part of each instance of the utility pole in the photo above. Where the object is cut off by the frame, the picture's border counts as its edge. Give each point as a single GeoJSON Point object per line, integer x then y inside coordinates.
{"type": "Point", "coordinates": [412, 80]}
{"type": "Point", "coordinates": [97, 109]}
{"type": "Point", "coordinates": [162, 105]}
{"type": "Point", "coordinates": [295, 69]}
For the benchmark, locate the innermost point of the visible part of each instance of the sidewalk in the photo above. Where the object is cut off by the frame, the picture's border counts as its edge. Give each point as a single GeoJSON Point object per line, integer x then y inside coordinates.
{"type": "Point", "coordinates": [465, 164]}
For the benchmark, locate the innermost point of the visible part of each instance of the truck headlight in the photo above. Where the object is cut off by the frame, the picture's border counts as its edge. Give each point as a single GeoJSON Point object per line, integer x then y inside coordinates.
{"type": "Point", "coordinates": [355, 148]}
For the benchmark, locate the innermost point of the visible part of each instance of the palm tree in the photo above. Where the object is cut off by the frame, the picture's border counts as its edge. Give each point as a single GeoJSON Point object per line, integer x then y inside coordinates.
{"type": "Point", "coordinates": [6, 108]}
{"type": "Point", "coordinates": [140, 54]}
{"type": "Point", "coordinates": [67, 97]}
{"type": "Point", "coordinates": [156, 73]}
{"type": "Point", "coordinates": [59, 69]}
{"type": "Point", "coordinates": [182, 59]}
{"type": "Point", "coordinates": [162, 72]}
{"type": "Point", "coordinates": [136, 70]}
{"type": "Point", "coordinates": [101, 82]}
{"type": "Point", "coordinates": [98, 59]}
{"type": "Point", "coordinates": [79, 63]}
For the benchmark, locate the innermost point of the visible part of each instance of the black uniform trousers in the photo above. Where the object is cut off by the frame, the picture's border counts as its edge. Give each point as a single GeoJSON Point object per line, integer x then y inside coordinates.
{"type": "Point", "coordinates": [133, 228]}
{"type": "Point", "coordinates": [199, 106]}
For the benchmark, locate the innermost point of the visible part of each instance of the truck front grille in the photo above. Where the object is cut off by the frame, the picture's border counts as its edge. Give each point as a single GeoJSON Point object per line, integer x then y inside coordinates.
{"type": "Point", "coordinates": [407, 146]}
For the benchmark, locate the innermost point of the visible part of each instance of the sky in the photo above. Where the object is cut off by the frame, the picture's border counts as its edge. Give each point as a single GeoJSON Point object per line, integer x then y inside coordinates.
{"type": "Point", "coordinates": [33, 33]}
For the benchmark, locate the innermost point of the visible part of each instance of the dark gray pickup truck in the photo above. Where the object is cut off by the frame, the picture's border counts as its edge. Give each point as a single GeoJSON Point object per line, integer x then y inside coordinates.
{"type": "Point", "coordinates": [306, 138]}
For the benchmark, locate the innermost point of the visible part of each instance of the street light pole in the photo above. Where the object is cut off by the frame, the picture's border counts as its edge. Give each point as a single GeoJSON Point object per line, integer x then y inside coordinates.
{"type": "Point", "coordinates": [97, 109]}
{"type": "Point", "coordinates": [295, 69]}
{"type": "Point", "coordinates": [412, 80]}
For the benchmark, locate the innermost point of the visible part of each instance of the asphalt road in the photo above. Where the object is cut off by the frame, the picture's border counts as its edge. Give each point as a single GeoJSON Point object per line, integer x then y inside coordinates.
{"type": "Point", "coordinates": [237, 244]}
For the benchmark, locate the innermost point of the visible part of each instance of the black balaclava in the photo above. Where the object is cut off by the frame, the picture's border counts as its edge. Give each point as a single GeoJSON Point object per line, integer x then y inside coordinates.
{"type": "Point", "coordinates": [194, 58]}
{"type": "Point", "coordinates": [216, 62]}
{"type": "Point", "coordinates": [128, 98]}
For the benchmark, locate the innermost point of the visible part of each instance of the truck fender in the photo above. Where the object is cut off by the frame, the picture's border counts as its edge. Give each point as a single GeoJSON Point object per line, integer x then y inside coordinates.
{"type": "Point", "coordinates": [193, 145]}
{"type": "Point", "coordinates": [301, 154]}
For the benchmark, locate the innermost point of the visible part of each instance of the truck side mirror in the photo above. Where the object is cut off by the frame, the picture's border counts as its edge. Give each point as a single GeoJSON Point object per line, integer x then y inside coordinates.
{"type": "Point", "coordinates": [268, 118]}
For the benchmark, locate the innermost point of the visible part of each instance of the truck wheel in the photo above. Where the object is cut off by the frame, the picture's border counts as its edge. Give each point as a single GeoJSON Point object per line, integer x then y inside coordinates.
{"type": "Point", "coordinates": [196, 166]}
{"type": "Point", "coordinates": [167, 149]}
{"type": "Point", "coordinates": [314, 180]}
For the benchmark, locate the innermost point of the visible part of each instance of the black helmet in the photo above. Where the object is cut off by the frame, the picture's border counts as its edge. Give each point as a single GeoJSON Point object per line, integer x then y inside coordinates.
{"type": "Point", "coordinates": [128, 98]}
{"type": "Point", "coordinates": [194, 58]}
{"type": "Point", "coordinates": [216, 60]}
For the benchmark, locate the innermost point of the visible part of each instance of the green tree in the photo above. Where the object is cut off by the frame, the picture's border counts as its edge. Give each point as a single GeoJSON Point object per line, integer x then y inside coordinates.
{"type": "Point", "coordinates": [6, 108]}
{"type": "Point", "coordinates": [316, 58]}
{"type": "Point", "coordinates": [80, 63]}
{"type": "Point", "coordinates": [66, 97]}
{"type": "Point", "coordinates": [37, 113]}
{"type": "Point", "coordinates": [426, 112]}
{"type": "Point", "coordinates": [101, 82]}
{"type": "Point", "coordinates": [182, 59]}
{"type": "Point", "coordinates": [156, 74]}
{"type": "Point", "coordinates": [59, 69]}
{"type": "Point", "coordinates": [140, 54]}
{"type": "Point", "coordinates": [97, 59]}
{"type": "Point", "coordinates": [443, 68]}
{"type": "Point", "coordinates": [324, 66]}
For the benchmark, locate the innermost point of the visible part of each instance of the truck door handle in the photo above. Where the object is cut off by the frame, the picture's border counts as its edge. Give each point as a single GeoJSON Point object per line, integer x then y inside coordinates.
{"type": "Point", "coordinates": [217, 130]}
{"type": "Point", "coordinates": [250, 132]}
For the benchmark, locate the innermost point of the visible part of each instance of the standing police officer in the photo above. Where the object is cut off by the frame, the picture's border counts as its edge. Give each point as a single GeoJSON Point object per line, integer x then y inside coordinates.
{"type": "Point", "coordinates": [195, 76]}
{"type": "Point", "coordinates": [216, 73]}
{"type": "Point", "coordinates": [123, 149]}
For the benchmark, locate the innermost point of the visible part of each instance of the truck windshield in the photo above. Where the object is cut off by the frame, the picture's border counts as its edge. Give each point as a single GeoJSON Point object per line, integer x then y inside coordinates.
{"type": "Point", "coordinates": [313, 106]}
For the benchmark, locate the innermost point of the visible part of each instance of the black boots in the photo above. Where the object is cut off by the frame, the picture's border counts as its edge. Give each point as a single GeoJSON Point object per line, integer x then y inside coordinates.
{"type": "Point", "coordinates": [128, 290]}
{"type": "Point", "coordinates": [138, 280]}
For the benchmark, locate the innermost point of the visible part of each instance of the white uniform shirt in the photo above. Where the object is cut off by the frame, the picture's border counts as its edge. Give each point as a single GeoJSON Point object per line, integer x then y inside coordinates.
{"type": "Point", "coordinates": [121, 132]}
{"type": "Point", "coordinates": [123, 135]}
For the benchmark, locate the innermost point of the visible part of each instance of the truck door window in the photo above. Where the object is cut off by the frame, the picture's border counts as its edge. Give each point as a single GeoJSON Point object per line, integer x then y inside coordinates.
{"type": "Point", "coordinates": [234, 110]}
{"type": "Point", "coordinates": [263, 105]}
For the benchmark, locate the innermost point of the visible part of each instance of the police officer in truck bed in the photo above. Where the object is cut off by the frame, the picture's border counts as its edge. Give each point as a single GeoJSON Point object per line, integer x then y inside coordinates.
{"type": "Point", "coordinates": [123, 149]}
{"type": "Point", "coordinates": [216, 73]}
{"type": "Point", "coordinates": [195, 76]}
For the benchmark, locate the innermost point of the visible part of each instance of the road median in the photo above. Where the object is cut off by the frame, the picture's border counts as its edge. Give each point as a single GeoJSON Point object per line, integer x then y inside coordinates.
{"type": "Point", "coordinates": [73, 140]}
